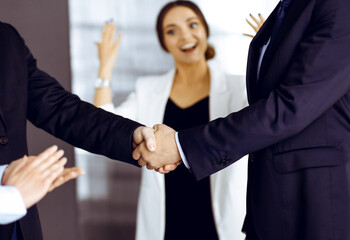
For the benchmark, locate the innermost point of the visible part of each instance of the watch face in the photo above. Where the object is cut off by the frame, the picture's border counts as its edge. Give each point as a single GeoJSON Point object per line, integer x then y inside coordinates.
{"type": "Point", "coordinates": [100, 83]}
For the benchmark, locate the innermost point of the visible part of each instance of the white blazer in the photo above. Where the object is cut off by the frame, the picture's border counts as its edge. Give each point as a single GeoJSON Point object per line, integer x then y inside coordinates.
{"type": "Point", "coordinates": [228, 187]}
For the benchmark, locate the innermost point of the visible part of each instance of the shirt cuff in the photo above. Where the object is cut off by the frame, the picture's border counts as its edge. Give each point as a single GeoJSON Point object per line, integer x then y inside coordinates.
{"type": "Point", "coordinates": [11, 202]}
{"type": "Point", "coordinates": [11, 205]}
{"type": "Point", "coordinates": [182, 154]}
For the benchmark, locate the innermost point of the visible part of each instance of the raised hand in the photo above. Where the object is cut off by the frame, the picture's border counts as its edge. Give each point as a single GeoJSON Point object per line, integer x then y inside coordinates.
{"type": "Point", "coordinates": [259, 22]}
{"type": "Point", "coordinates": [34, 176]}
{"type": "Point", "coordinates": [166, 157]}
{"type": "Point", "coordinates": [108, 50]}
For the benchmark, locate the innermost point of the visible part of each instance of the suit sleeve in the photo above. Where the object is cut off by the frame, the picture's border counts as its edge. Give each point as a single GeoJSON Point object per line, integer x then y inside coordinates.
{"type": "Point", "coordinates": [79, 123]}
{"type": "Point", "coordinates": [318, 76]}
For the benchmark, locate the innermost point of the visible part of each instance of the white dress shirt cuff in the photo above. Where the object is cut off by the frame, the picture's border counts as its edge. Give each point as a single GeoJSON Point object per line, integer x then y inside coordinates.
{"type": "Point", "coordinates": [11, 202]}
{"type": "Point", "coordinates": [182, 154]}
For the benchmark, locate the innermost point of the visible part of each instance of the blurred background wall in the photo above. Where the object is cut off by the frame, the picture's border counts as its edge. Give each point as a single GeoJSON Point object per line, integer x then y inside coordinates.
{"type": "Point", "coordinates": [61, 35]}
{"type": "Point", "coordinates": [44, 25]}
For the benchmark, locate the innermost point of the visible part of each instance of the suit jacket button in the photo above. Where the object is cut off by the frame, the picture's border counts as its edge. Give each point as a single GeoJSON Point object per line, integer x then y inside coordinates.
{"type": "Point", "coordinates": [227, 159]}
{"type": "Point", "coordinates": [251, 158]}
{"type": "Point", "coordinates": [4, 140]}
{"type": "Point", "coordinates": [224, 160]}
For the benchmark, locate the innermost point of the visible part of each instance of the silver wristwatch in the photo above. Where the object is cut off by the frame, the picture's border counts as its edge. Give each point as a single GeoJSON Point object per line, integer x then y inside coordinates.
{"type": "Point", "coordinates": [100, 83]}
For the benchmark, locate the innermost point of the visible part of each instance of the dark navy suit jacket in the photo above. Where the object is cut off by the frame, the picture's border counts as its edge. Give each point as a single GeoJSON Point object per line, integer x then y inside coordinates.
{"type": "Point", "coordinates": [28, 93]}
{"type": "Point", "coordinates": [296, 129]}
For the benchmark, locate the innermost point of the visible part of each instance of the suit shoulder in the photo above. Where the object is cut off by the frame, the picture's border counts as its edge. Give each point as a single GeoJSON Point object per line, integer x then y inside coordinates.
{"type": "Point", "coordinates": [9, 33]}
{"type": "Point", "coordinates": [6, 28]}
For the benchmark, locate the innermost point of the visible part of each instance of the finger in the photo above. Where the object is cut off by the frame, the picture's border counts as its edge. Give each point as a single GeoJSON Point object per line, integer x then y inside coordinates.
{"type": "Point", "coordinates": [18, 164]}
{"type": "Point", "coordinates": [46, 163]}
{"type": "Point", "coordinates": [51, 175]}
{"type": "Point", "coordinates": [262, 19]}
{"type": "Point", "coordinates": [137, 136]}
{"type": "Point", "coordinates": [161, 170]}
{"type": "Point", "coordinates": [104, 33]}
{"type": "Point", "coordinates": [145, 134]}
{"type": "Point", "coordinates": [254, 19]}
{"type": "Point", "coordinates": [248, 35]}
{"type": "Point", "coordinates": [119, 38]}
{"type": "Point", "coordinates": [112, 32]}
{"type": "Point", "coordinates": [47, 153]}
{"type": "Point", "coordinates": [255, 29]}
{"type": "Point", "coordinates": [53, 168]}
{"type": "Point", "coordinates": [156, 127]}
{"type": "Point", "coordinates": [56, 183]}
{"type": "Point", "coordinates": [136, 154]}
{"type": "Point", "coordinates": [116, 44]}
{"type": "Point", "coordinates": [149, 167]}
{"type": "Point", "coordinates": [67, 175]}
{"type": "Point", "coordinates": [142, 162]}
{"type": "Point", "coordinates": [170, 167]}
{"type": "Point", "coordinates": [42, 157]}
{"type": "Point", "coordinates": [149, 138]}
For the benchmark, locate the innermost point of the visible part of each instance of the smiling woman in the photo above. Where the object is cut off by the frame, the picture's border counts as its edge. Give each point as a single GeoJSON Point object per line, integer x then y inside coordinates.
{"type": "Point", "coordinates": [104, 212]}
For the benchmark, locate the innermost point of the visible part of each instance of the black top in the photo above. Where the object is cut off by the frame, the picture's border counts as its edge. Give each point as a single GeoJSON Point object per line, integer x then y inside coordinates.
{"type": "Point", "coordinates": [188, 203]}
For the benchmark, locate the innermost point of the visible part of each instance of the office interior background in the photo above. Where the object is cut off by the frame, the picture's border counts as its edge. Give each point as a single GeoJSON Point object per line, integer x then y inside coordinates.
{"type": "Point", "coordinates": [61, 35]}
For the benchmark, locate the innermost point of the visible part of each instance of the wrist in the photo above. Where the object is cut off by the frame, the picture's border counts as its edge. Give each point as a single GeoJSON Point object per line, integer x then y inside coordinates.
{"type": "Point", "coordinates": [104, 73]}
{"type": "Point", "coordinates": [3, 177]}
{"type": "Point", "coordinates": [102, 83]}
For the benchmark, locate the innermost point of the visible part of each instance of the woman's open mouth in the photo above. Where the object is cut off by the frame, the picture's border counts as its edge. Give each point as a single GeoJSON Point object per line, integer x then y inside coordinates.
{"type": "Point", "coordinates": [189, 47]}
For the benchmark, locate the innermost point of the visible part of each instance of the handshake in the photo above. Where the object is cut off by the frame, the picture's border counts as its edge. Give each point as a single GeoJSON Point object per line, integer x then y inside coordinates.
{"type": "Point", "coordinates": [156, 148]}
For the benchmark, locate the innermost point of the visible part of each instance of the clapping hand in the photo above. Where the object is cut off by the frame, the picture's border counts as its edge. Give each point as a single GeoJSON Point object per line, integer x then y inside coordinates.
{"type": "Point", "coordinates": [35, 176]}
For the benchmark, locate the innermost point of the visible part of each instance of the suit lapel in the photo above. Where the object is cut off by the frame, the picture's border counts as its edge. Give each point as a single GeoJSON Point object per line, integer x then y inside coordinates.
{"type": "Point", "coordinates": [2, 88]}
{"type": "Point", "coordinates": [294, 12]}
{"type": "Point", "coordinates": [258, 41]}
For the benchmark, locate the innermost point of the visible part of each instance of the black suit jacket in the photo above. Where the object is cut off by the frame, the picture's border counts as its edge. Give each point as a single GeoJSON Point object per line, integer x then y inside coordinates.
{"type": "Point", "coordinates": [296, 129]}
{"type": "Point", "coordinates": [28, 93]}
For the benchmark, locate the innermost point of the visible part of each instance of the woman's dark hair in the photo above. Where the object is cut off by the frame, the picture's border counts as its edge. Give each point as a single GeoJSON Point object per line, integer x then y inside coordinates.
{"type": "Point", "coordinates": [210, 52]}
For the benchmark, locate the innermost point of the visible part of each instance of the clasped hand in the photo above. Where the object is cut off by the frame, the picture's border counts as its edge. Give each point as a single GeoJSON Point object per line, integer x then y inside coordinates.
{"type": "Point", "coordinates": [156, 148]}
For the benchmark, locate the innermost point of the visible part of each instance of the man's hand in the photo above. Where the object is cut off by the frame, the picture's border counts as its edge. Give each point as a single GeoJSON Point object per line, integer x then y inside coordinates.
{"type": "Point", "coordinates": [34, 176]}
{"type": "Point", "coordinates": [67, 175]}
{"type": "Point", "coordinates": [166, 157]}
{"type": "Point", "coordinates": [144, 135]}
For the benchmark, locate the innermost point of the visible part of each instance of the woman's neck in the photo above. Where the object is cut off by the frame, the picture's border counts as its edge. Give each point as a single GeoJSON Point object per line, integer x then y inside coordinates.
{"type": "Point", "coordinates": [189, 74]}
